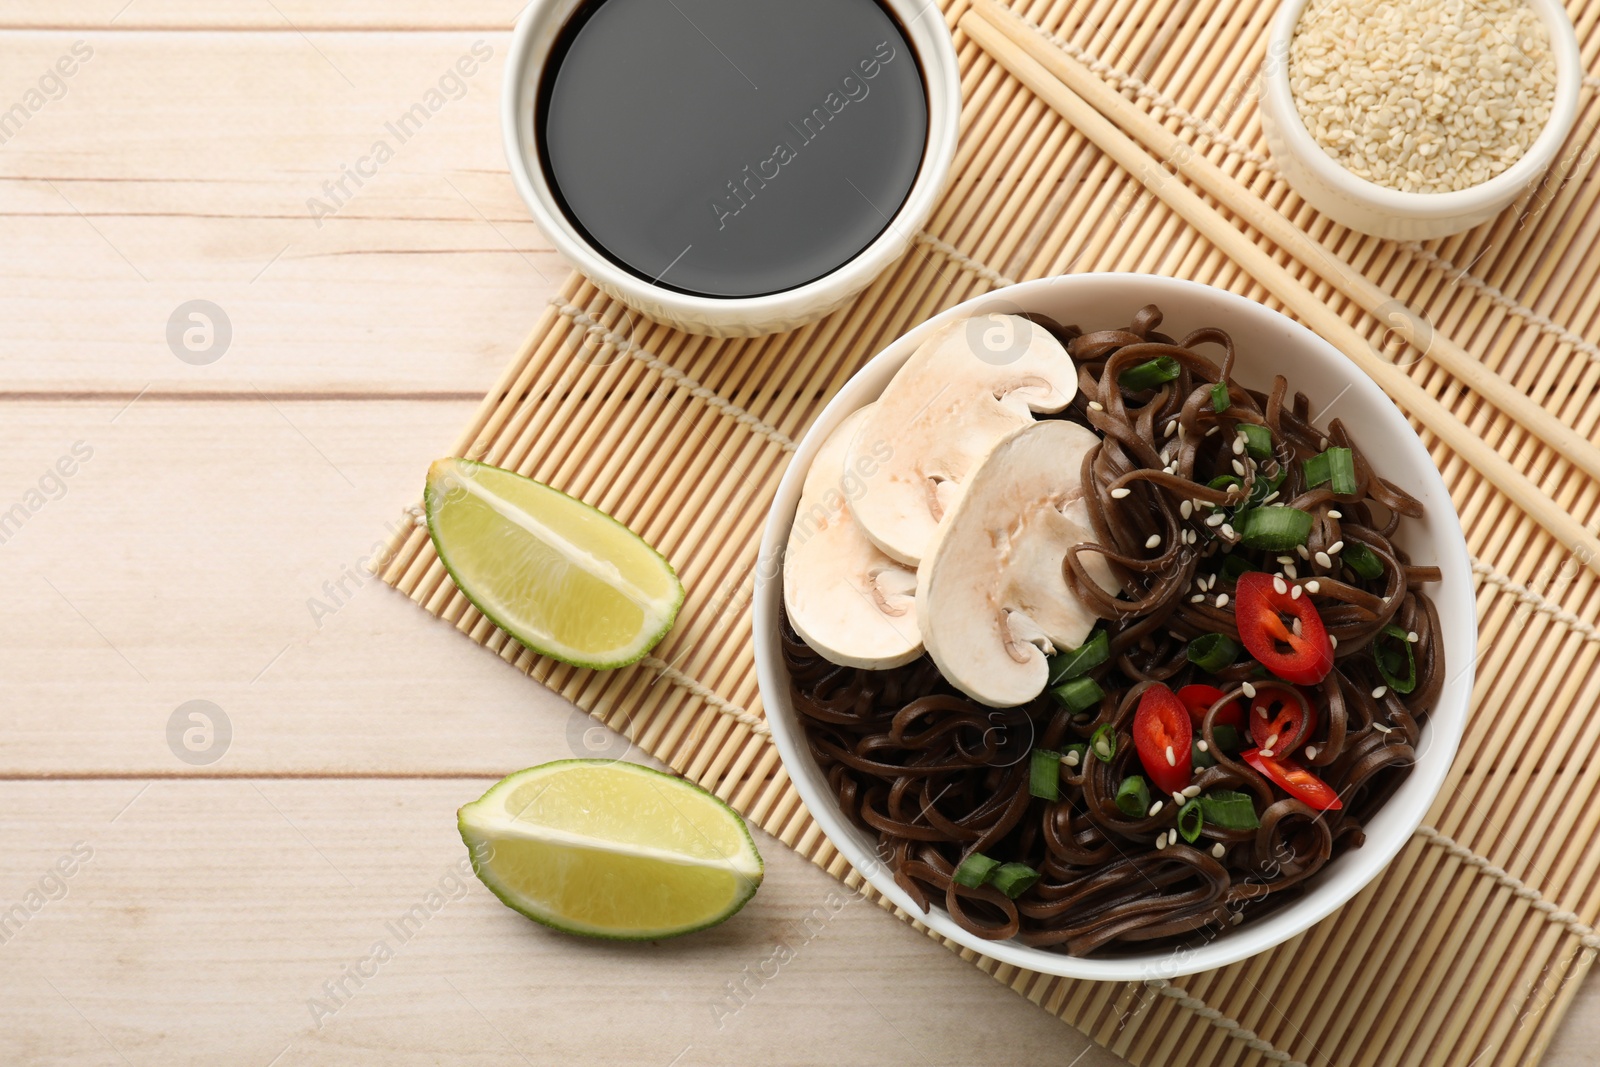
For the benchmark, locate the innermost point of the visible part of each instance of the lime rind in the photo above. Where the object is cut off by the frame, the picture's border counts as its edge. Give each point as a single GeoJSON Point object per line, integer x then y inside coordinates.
{"type": "Point", "coordinates": [626, 656]}
{"type": "Point", "coordinates": [472, 837]}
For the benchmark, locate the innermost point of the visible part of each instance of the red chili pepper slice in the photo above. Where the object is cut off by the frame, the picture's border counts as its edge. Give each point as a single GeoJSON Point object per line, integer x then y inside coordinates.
{"type": "Point", "coordinates": [1281, 718]}
{"type": "Point", "coordinates": [1258, 609]}
{"type": "Point", "coordinates": [1162, 733]}
{"type": "Point", "coordinates": [1294, 780]}
{"type": "Point", "coordinates": [1199, 698]}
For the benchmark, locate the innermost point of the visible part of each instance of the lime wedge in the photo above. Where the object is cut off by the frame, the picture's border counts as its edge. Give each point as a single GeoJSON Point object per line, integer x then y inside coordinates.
{"type": "Point", "coordinates": [563, 578]}
{"type": "Point", "coordinates": [611, 850]}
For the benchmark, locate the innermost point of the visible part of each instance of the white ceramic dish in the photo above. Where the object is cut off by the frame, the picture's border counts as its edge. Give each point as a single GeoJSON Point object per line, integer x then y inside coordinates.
{"type": "Point", "coordinates": [1267, 344]}
{"type": "Point", "coordinates": [536, 33]}
{"type": "Point", "coordinates": [1377, 209]}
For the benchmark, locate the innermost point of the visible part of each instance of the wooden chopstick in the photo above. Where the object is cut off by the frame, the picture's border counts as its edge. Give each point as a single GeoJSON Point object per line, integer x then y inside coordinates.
{"type": "Point", "coordinates": [1014, 47]}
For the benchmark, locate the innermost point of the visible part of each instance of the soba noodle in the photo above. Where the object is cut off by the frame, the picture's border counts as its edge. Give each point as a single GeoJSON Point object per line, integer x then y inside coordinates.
{"type": "Point", "coordinates": [939, 777]}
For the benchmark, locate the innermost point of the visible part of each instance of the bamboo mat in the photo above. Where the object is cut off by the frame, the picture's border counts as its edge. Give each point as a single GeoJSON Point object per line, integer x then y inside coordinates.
{"type": "Point", "coordinates": [1468, 949]}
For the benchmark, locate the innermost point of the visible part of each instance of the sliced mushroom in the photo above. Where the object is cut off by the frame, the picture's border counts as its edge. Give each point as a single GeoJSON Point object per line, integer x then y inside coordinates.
{"type": "Point", "coordinates": [850, 602]}
{"type": "Point", "coordinates": [964, 389]}
{"type": "Point", "coordinates": [992, 600]}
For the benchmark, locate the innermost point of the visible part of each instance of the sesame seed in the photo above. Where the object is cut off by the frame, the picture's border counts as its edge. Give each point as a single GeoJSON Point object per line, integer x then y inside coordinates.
{"type": "Point", "coordinates": [1303, 552]}
{"type": "Point", "coordinates": [1222, 600]}
{"type": "Point", "coordinates": [1387, 599]}
{"type": "Point", "coordinates": [1238, 445]}
{"type": "Point", "coordinates": [1172, 428]}
{"type": "Point", "coordinates": [1172, 760]}
{"type": "Point", "coordinates": [1249, 691]}
{"type": "Point", "coordinates": [1288, 568]}
{"type": "Point", "coordinates": [1121, 493]}
{"type": "Point", "coordinates": [1332, 514]}
{"type": "Point", "coordinates": [1152, 541]}
{"type": "Point", "coordinates": [1189, 537]}
{"type": "Point", "coordinates": [1313, 587]}
{"type": "Point", "coordinates": [1198, 598]}
{"type": "Point", "coordinates": [1382, 729]}
{"type": "Point", "coordinates": [1267, 752]}
{"type": "Point", "coordinates": [1216, 518]}
{"type": "Point", "coordinates": [1218, 850]}
{"type": "Point", "coordinates": [1070, 759]}
{"type": "Point", "coordinates": [1411, 636]}
{"type": "Point", "coordinates": [1335, 548]}
{"type": "Point", "coordinates": [1322, 443]}
{"type": "Point", "coordinates": [1213, 430]}
{"type": "Point", "coordinates": [1270, 497]}
{"type": "Point", "coordinates": [1177, 797]}
{"type": "Point", "coordinates": [1155, 809]}
{"type": "Point", "coordinates": [1271, 741]}
{"type": "Point", "coordinates": [1095, 405]}
{"type": "Point", "coordinates": [1311, 752]}
{"type": "Point", "coordinates": [1186, 509]}
{"type": "Point", "coordinates": [1238, 468]}
{"type": "Point", "coordinates": [1227, 530]}
{"type": "Point", "coordinates": [1238, 917]}
{"type": "Point", "coordinates": [1377, 694]}
{"type": "Point", "coordinates": [1278, 586]}
{"type": "Point", "coordinates": [1333, 641]}
{"type": "Point", "coordinates": [1297, 626]}
{"type": "Point", "coordinates": [1202, 746]}
{"type": "Point", "coordinates": [1161, 841]}
{"type": "Point", "coordinates": [1190, 792]}
{"type": "Point", "coordinates": [1294, 594]}
{"type": "Point", "coordinates": [1324, 561]}
{"type": "Point", "coordinates": [1286, 559]}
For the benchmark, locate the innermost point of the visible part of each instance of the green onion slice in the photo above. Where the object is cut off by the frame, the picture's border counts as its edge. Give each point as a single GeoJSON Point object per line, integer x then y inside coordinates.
{"type": "Point", "coordinates": [1079, 694]}
{"type": "Point", "coordinates": [1257, 440]}
{"type": "Point", "coordinates": [1396, 662]}
{"type": "Point", "coordinates": [1337, 467]}
{"type": "Point", "coordinates": [1133, 797]}
{"type": "Point", "coordinates": [1103, 743]}
{"type": "Point", "coordinates": [1219, 397]}
{"type": "Point", "coordinates": [1212, 652]}
{"type": "Point", "coordinates": [1361, 559]}
{"type": "Point", "coordinates": [1226, 737]}
{"type": "Point", "coordinates": [1223, 481]}
{"type": "Point", "coordinates": [1235, 567]}
{"type": "Point", "coordinates": [1044, 774]}
{"type": "Point", "coordinates": [1191, 820]}
{"type": "Point", "coordinates": [1142, 376]}
{"type": "Point", "coordinates": [975, 870]}
{"type": "Point", "coordinates": [1275, 529]}
{"type": "Point", "coordinates": [1081, 660]}
{"type": "Point", "coordinates": [1228, 809]}
{"type": "Point", "coordinates": [1013, 879]}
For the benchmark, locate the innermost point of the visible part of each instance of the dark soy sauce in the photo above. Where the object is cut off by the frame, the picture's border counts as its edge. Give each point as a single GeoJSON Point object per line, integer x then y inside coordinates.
{"type": "Point", "coordinates": [732, 147]}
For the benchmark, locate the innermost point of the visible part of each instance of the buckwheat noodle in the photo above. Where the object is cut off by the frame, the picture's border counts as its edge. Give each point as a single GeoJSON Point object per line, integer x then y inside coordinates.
{"type": "Point", "coordinates": [938, 776]}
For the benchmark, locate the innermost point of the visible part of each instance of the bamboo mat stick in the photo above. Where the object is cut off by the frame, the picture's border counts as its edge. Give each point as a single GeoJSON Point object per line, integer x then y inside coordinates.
{"type": "Point", "coordinates": [1264, 269]}
{"type": "Point", "coordinates": [1344, 277]}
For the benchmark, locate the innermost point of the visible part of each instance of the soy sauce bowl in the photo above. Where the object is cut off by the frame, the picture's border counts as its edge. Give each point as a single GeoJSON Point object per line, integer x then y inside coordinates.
{"type": "Point", "coordinates": [535, 43]}
{"type": "Point", "coordinates": [1266, 344]}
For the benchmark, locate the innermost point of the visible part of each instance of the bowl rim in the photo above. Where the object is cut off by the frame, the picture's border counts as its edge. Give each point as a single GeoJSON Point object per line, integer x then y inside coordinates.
{"type": "Point", "coordinates": [1504, 186]}
{"type": "Point", "coordinates": [1446, 723]}
{"type": "Point", "coordinates": [929, 36]}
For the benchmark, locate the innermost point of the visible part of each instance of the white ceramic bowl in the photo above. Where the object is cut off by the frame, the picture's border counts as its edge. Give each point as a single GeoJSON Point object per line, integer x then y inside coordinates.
{"type": "Point", "coordinates": [1377, 209]}
{"type": "Point", "coordinates": [1267, 343]}
{"type": "Point", "coordinates": [531, 42]}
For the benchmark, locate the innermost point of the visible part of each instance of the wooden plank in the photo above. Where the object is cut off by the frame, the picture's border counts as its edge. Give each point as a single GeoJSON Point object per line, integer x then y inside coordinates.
{"type": "Point", "coordinates": [212, 551]}
{"type": "Point", "coordinates": [284, 15]}
{"type": "Point", "coordinates": [202, 918]}
{"type": "Point", "coordinates": [216, 160]}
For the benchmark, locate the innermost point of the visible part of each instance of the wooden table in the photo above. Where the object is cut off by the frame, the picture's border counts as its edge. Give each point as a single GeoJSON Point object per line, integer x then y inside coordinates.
{"type": "Point", "coordinates": [185, 507]}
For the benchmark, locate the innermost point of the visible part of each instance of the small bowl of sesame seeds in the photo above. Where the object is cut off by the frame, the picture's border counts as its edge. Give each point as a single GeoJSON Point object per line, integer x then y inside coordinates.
{"type": "Point", "coordinates": [1412, 119]}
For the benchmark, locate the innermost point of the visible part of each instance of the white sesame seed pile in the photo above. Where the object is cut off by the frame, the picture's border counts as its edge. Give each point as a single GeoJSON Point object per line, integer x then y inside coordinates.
{"type": "Point", "coordinates": [1424, 96]}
